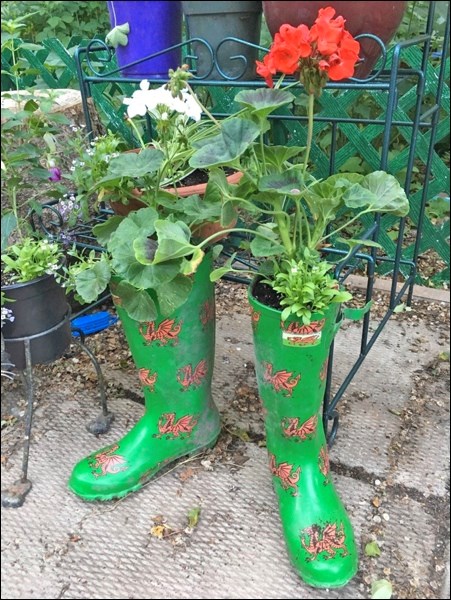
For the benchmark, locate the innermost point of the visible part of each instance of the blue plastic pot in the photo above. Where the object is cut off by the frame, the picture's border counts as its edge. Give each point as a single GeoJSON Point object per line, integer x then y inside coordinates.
{"type": "Point", "coordinates": [154, 26]}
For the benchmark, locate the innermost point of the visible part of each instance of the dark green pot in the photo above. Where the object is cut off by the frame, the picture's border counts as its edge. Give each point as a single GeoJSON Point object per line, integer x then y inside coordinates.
{"type": "Point", "coordinates": [41, 313]}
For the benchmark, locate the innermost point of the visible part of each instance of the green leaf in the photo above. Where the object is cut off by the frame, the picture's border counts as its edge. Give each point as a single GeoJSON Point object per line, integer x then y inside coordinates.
{"type": "Point", "coordinates": [174, 293]}
{"type": "Point", "coordinates": [103, 231]}
{"type": "Point", "coordinates": [400, 308]}
{"type": "Point", "coordinates": [134, 164]}
{"type": "Point", "coordinates": [137, 303]}
{"type": "Point", "coordinates": [264, 101]}
{"type": "Point", "coordinates": [145, 249]}
{"type": "Point", "coordinates": [9, 223]}
{"type": "Point", "coordinates": [290, 182]}
{"type": "Point", "coordinates": [138, 225]}
{"type": "Point", "coordinates": [378, 192]}
{"type": "Point", "coordinates": [193, 517]}
{"type": "Point", "coordinates": [118, 36]}
{"type": "Point", "coordinates": [372, 549]}
{"type": "Point", "coordinates": [269, 245]}
{"type": "Point", "coordinates": [381, 590]}
{"type": "Point", "coordinates": [351, 242]}
{"type": "Point", "coordinates": [324, 198]}
{"type": "Point", "coordinates": [216, 274]}
{"type": "Point", "coordinates": [173, 241]}
{"type": "Point", "coordinates": [91, 282]}
{"type": "Point", "coordinates": [277, 156]}
{"type": "Point", "coordinates": [235, 137]}
{"type": "Point", "coordinates": [190, 266]}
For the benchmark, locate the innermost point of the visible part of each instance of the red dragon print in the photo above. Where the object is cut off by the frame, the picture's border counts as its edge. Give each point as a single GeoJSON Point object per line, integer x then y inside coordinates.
{"type": "Point", "coordinates": [148, 378]}
{"type": "Point", "coordinates": [207, 312]}
{"type": "Point", "coordinates": [282, 380]}
{"type": "Point", "coordinates": [255, 318]}
{"type": "Point", "coordinates": [107, 462]}
{"type": "Point", "coordinates": [167, 331]}
{"type": "Point", "coordinates": [328, 539]}
{"type": "Point", "coordinates": [303, 335]}
{"type": "Point", "coordinates": [291, 428]}
{"type": "Point", "coordinates": [324, 464]}
{"type": "Point", "coordinates": [323, 373]}
{"type": "Point", "coordinates": [283, 472]}
{"type": "Point", "coordinates": [187, 376]}
{"type": "Point", "coordinates": [168, 425]}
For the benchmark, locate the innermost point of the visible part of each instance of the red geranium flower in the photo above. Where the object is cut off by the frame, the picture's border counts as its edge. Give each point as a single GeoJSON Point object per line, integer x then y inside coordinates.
{"type": "Point", "coordinates": [325, 51]}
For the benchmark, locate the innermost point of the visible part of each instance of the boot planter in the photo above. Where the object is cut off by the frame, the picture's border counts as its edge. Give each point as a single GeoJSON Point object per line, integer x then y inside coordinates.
{"type": "Point", "coordinates": [291, 368]}
{"type": "Point", "coordinates": [174, 356]}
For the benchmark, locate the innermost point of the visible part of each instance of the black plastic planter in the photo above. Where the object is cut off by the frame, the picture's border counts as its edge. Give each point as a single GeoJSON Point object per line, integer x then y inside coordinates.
{"type": "Point", "coordinates": [42, 314]}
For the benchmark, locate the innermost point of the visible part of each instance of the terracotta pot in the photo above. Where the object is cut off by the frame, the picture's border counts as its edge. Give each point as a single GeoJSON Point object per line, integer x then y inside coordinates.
{"type": "Point", "coordinates": [201, 231]}
{"type": "Point", "coordinates": [378, 18]}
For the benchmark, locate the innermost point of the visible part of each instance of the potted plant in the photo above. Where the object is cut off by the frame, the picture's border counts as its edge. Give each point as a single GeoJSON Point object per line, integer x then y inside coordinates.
{"type": "Point", "coordinates": [30, 264]}
{"type": "Point", "coordinates": [294, 299]}
{"type": "Point", "coordinates": [141, 29]}
{"type": "Point", "coordinates": [380, 19]}
{"type": "Point", "coordinates": [167, 309]}
{"type": "Point", "coordinates": [157, 173]}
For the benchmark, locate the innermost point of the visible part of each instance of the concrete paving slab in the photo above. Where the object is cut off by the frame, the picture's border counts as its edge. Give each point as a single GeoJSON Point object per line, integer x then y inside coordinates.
{"type": "Point", "coordinates": [57, 546]}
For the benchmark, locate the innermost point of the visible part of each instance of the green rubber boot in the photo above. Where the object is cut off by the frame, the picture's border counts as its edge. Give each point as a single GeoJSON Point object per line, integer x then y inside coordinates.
{"type": "Point", "coordinates": [291, 368]}
{"type": "Point", "coordinates": [174, 357]}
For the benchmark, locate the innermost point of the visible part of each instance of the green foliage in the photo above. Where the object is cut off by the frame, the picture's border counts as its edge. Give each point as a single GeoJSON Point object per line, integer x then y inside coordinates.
{"type": "Point", "coordinates": [59, 19]}
{"type": "Point", "coordinates": [291, 214]}
{"type": "Point", "coordinates": [129, 266]}
{"type": "Point", "coordinates": [29, 149]}
{"type": "Point", "coordinates": [30, 258]}
{"type": "Point", "coordinates": [306, 287]}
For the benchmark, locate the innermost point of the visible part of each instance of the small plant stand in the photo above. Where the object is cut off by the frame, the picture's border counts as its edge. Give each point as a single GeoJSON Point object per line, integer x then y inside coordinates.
{"type": "Point", "coordinates": [14, 495]}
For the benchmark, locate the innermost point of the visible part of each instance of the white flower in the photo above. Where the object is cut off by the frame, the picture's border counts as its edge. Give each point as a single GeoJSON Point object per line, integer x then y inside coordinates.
{"type": "Point", "coordinates": [192, 108]}
{"type": "Point", "coordinates": [6, 315]}
{"type": "Point", "coordinates": [137, 104]}
{"type": "Point", "coordinates": [159, 101]}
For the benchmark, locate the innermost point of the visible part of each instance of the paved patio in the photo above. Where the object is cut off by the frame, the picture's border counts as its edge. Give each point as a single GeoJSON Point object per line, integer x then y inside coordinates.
{"type": "Point", "coordinates": [390, 463]}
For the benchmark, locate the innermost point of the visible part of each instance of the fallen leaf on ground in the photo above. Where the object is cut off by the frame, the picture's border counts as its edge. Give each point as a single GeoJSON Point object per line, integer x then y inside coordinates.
{"type": "Point", "coordinates": [381, 590]}
{"type": "Point", "coordinates": [193, 517]}
{"type": "Point", "coordinates": [372, 549]}
{"type": "Point", "coordinates": [160, 531]}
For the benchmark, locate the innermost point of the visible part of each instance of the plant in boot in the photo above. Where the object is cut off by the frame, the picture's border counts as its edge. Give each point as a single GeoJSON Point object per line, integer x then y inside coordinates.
{"type": "Point", "coordinates": [290, 219]}
{"type": "Point", "coordinates": [174, 358]}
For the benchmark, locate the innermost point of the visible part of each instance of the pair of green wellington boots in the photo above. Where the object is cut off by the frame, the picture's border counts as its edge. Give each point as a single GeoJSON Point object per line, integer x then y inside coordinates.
{"type": "Point", "coordinates": [174, 357]}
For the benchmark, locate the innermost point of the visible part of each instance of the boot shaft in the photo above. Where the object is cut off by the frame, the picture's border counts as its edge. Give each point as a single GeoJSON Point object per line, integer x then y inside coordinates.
{"type": "Point", "coordinates": [174, 354]}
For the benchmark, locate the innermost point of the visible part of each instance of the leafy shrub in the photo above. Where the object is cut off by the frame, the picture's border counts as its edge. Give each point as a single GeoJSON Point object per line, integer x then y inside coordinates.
{"type": "Point", "coordinates": [59, 19]}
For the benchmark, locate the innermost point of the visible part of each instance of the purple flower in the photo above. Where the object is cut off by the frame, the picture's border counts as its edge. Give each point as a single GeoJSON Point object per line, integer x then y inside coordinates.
{"type": "Point", "coordinates": [54, 174]}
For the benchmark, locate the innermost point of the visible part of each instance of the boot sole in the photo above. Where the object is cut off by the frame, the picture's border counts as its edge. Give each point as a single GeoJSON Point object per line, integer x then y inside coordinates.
{"type": "Point", "coordinates": [144, 480]}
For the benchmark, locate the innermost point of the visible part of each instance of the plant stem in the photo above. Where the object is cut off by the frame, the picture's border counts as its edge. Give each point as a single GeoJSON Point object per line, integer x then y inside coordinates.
{"type": "Point", "coordinates": [307, 226]}
{"type": "Point", "coordinates": [335, 231]}
{"type": "Point", "coordinates": [284, 230]}
{"type": "Point", "coordinates": [311, 103]}
{"type": "Point", "coordinates": [204, 108]}
{"type": "Point", "coordinates": [138, 135]}
{"type": "Point", "coordinates": [232, 230]}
